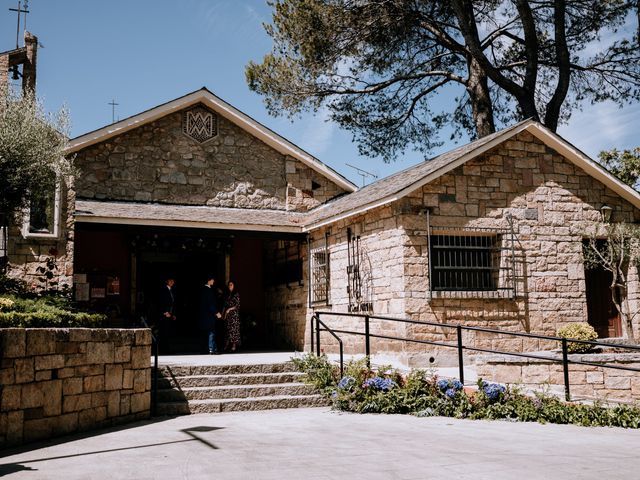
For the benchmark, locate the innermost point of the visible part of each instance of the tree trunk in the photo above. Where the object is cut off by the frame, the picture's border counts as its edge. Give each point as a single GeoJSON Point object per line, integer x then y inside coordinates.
{"type": "Point", "coordinates": [552, 114]}
{"type": "Point", "coordinates": [481, 106]}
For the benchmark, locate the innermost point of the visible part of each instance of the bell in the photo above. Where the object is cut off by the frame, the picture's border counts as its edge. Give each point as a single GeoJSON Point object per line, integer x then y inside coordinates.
{"type": "Point", "coordinates": [15, 75]}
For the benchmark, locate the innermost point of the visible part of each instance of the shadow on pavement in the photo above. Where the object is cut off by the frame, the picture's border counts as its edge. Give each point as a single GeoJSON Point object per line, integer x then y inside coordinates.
{"type": "Point", "coordinates": [9, 468]}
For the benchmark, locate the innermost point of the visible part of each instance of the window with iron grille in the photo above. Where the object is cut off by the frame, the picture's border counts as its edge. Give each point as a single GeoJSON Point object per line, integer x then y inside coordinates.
{"type": "Point", "coordinates": [320, 275]}
{"type": "Point", "coordinates": [465, 262]}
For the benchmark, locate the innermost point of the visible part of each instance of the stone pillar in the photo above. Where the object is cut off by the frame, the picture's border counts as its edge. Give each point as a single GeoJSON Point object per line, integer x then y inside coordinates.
{"type": "Point", "coordinates": [4, 76]}
{"type": "Point", "coordinates": [29, 66]}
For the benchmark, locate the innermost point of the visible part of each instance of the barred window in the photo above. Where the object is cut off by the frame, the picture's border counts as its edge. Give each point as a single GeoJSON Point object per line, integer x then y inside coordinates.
{"type": "Point", "coordinates": [319, 275]}
{"type": "Point", "coordinates": [465, 263]}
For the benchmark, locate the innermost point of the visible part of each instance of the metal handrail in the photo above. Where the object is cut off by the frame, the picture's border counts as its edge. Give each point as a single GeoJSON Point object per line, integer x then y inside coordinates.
{"type": "Point", "coordinates": [459, 343]}
{"type": "Point", "coordinates": [326, 329]}
{"type": "Point", "coordinates": [154, 373]}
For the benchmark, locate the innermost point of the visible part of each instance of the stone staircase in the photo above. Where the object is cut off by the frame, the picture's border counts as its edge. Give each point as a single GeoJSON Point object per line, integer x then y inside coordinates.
{"type": "Point", "coordinates": [224, 388]}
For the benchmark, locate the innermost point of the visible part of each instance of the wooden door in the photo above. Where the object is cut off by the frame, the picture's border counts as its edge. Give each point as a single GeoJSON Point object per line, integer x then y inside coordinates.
{"type": "Point", "coordinates": [602, 313]}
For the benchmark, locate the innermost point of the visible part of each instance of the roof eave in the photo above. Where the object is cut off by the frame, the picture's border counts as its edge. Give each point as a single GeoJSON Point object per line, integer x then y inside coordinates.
{"type": "Point", "coordinates": [83, 218]}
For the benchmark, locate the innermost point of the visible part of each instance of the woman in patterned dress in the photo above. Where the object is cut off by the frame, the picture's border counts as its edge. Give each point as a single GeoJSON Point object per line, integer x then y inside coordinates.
{"type": "Point", "coordinates": [232, 317]}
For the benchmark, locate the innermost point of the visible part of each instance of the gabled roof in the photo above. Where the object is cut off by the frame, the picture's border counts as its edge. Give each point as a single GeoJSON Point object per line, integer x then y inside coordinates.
{"type": "Point", "coordinates": [396, 186]}
{"type": "Point", "coordinates": [224, 109]}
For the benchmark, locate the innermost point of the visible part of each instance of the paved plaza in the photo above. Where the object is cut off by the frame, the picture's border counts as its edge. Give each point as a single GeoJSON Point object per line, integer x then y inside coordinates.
{"type": "Point", "coordinates": [317, 443]}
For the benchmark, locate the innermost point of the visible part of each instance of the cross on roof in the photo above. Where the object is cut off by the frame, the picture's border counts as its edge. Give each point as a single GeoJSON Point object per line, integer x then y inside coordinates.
{"type": "Point", "coordinates": [20, 10]}
{"type": "Point", "coordinates": [113, 110]}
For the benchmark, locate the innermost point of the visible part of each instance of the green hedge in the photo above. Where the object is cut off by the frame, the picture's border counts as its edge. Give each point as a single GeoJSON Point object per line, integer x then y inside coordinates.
{"type": "Point", "coordinates": [48, 311]}
{"type": "Point", "coordinates": [59, 319]}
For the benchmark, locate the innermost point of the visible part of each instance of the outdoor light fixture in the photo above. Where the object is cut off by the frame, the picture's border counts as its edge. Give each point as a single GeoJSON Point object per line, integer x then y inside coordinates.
{"type": "Point", "coordinates": [606, 210]}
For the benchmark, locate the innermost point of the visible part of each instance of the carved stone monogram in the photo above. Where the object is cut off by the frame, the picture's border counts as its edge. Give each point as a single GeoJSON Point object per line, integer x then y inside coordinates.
{"type": "Point", "coordinates": [200, 124]}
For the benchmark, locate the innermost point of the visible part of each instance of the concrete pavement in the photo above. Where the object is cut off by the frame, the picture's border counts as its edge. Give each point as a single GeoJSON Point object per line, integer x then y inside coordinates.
{"type": "Point", "coordinates": [317, 443]}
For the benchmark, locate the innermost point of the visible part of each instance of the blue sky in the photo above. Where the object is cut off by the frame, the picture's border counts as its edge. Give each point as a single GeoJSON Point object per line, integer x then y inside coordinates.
{"type": "Point", "coordinates": [146, 52]}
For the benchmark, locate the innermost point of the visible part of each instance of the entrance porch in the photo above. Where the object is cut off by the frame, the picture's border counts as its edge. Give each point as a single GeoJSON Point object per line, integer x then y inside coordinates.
{"type": "Point", "coordinates": [120, 268]}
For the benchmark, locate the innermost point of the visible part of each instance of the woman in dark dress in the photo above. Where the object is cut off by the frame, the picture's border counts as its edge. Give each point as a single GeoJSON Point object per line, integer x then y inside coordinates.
{"type": "Point", "coordinates": [232, 317]}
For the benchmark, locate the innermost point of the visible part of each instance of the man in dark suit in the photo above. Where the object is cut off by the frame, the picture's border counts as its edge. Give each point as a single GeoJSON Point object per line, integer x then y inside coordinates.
{"type": "Point", "coordinates": [166, 311]}
{"type": "Point", "coordinates": [208, 314]}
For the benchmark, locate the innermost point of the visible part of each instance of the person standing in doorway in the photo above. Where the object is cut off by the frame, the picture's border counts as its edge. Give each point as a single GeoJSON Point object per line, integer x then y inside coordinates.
{"type": "Point", "coordinates": [232, 317]}
{"type": "Point", "coordinates": [166, 309]}
{"type": "Point", "coordinates": [208, 314]}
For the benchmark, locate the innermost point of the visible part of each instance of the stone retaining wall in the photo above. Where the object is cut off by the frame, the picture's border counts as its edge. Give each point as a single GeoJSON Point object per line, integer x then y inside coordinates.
{"type": "Point", "coordinates": [58, 381]}
{"type": "Point", "coordinates": [585, 381]}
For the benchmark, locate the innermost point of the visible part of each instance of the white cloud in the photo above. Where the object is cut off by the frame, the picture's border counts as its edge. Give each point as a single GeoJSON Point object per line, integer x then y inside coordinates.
{"type": "Point", "coordinates": [603, 126]}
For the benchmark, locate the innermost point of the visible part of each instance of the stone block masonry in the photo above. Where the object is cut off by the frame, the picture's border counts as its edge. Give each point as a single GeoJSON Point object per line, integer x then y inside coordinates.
{"type": "Point", "coordinates": [59, 381]}
{"type": "Point", "coordinates": [585, 381]}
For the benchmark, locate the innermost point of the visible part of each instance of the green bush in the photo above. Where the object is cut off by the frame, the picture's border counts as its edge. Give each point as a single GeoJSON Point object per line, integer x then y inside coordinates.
{"type": "Point", "coordinates": [48, 311]}
{"type": "Point", "coordinates": [578, 331]}
{"type": "Point", "coordinates": [421, 393]}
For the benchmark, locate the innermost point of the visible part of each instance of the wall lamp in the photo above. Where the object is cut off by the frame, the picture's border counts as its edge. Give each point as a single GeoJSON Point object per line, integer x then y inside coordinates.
{"type": "Point", "coordinates": [605, 211]}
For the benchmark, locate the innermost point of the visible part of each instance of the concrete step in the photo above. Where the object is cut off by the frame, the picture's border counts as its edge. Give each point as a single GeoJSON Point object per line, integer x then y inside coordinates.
{"type": "Point", "coordinates": [190, 370]}
{"type": "Point", "coordinates": [234, 391]}
{"type": "Point", "coordinates": [234, 379]}
{"type": "Point", "coordinates": [257, 403]}
{"type": "Point", "coordinates": [173, 408]}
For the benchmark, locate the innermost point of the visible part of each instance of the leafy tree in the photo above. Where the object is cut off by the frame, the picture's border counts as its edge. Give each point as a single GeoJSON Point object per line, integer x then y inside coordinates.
{"type": "Point", "coordinates": [615, 247]}
{"type": "Point", "coordinates": [32, 145]}
{"type": "Point", "coordinates": [624, 164]}
{"type": "Point", "coordinates": [379, 65]}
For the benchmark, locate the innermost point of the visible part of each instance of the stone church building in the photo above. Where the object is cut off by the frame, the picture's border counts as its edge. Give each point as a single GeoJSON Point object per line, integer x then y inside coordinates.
{"type": "Point", "coordinates": [489, 234]}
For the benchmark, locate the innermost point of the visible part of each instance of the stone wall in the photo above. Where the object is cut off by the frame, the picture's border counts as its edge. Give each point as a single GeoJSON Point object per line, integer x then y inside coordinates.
{"type": "Point", "coordinates": [378, 255]}
{"type": "Point", "coordinates": [27, 254]}
{"type": "Point", "coordinates": [585, 381]}
{"type": "Point", "coordinates": [59, 381]}
{"type": "Point", "coordinates": [157, 162]}
{"type": "Point", "coordinates": [285, 303]}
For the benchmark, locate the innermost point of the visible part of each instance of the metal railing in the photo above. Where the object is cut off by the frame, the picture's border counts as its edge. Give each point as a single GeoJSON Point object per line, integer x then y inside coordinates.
{"type": "Point", "coordinates": [318, 326]}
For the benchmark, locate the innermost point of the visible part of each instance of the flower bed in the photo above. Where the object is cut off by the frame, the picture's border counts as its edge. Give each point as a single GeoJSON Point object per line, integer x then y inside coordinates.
{"type": "Point", "coordinates": [386, 390]}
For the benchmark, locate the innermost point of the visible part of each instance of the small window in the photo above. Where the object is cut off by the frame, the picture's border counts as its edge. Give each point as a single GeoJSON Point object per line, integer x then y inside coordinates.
{"type": "Point", "coordinates": [42, 217]}
{"type": "Point", "coordinates": [465, 263]}
{"type": "Point", "coordinates": [320, 276]}
{"type": "Point", "coordinates": [3, 247]}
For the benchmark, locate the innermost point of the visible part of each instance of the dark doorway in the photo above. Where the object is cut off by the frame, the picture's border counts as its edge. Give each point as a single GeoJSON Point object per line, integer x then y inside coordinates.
{"type": "Point", "coordinates": [189, 270]}
{"type": "Point", "coordinates": [602, 313]}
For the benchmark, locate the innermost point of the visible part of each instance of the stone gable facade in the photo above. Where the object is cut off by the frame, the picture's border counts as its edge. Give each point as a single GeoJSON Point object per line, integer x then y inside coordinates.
{"type": "Point", "coordinates": [551, 202]}
{"type": "Point", "coordinates": [158, 162]}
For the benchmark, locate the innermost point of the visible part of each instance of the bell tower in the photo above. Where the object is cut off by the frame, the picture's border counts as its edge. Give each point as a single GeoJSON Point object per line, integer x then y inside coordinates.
{"type": "Point", "coordinates": [20, 63]}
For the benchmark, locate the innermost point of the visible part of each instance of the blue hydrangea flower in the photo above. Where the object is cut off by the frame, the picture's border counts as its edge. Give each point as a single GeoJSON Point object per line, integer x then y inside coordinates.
{"type": "Point", "coordinates": [493, 391]}
{"type": "Point", "coordinates": [379, 383]}
{"type": "Point", "coordinates": [346, 383]}
{"type": "Point", "coordinates": [457, 384]}
{"type": "Point", "coordinates": [451, 392]}
{"type": "Point", "coordinates": [443, 384]}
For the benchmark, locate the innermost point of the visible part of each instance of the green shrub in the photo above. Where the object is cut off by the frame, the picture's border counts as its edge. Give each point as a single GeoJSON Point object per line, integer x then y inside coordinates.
{"type": "Point", "coordinates": [47, 311]}
{"type": "Point", "coordinates": [385, 390]}
{"type": "Point", "coordinates": [59, 319]}
{"type": "Point", "coordinates": [6, 304]}
{"type": "Point", "coordinates": [578, 331]}
{"type": "Point", "coordinates": [319, 371]}
{"type": "Point", "coordinates": [12, 286]}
